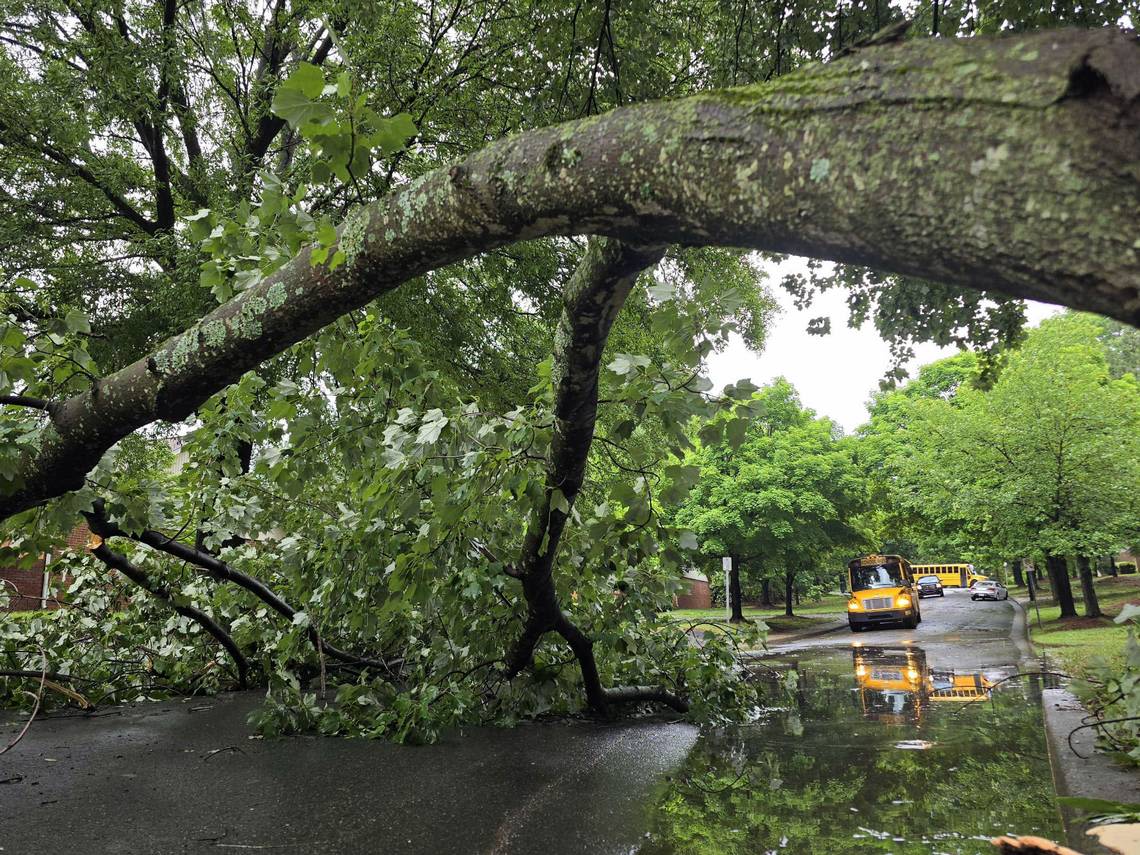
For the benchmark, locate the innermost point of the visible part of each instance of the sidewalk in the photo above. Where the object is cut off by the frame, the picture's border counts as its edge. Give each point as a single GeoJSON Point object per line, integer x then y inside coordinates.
{"type": "Point", "coordinates": [1079, 769]}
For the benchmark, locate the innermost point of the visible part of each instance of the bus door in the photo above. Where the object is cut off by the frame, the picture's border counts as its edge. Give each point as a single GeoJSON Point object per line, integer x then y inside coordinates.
{"type": "Point", "coordinates": [962, 578]}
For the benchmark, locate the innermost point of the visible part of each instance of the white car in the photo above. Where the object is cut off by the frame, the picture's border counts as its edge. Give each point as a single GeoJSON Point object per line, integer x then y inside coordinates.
{"type": "Point", "coordinates": [988, 589]}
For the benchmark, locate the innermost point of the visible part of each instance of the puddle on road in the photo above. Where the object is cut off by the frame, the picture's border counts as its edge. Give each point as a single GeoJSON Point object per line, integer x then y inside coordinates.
{"type": "Point", "coordinates": [870, 749]}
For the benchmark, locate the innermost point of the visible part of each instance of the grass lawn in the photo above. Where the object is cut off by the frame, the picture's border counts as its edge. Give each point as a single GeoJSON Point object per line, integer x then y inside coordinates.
{"type": "Point", "coordinates": [1076, 642]}
{"type": "Point", "coordinates": [806, 615]}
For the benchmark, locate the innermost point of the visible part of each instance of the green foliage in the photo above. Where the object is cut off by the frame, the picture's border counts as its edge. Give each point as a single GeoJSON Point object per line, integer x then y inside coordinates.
{"type": "Point", "coordinates": [153, 166]}
{"type": "Point", "coordinates": [371, 462]}
{"type": "Point", "coordinates": [1042, 462]}
{"type": "Point", "coordinates": [1113, 692]}
{"type": "Point", "coordinates": [341, 128]}
{"type": "Point", "coordinates": [777, 490]}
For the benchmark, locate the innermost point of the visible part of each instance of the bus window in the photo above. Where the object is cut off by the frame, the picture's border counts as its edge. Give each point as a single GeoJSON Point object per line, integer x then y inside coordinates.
{"type": "Point", "coordinates": [887, 576]}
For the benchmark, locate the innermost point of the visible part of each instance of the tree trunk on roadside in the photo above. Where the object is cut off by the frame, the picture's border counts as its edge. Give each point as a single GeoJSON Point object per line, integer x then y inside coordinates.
{"type": "Point", "coordinates": [859, 160]}
{"type": "Point", "coordinates": [1059, 580]}
{"type": "Point", "coordinates": [734, 598]}
{"type": "Point", "coordinates": [1018, 578]}
{"type": "Point", "coordinates": [1112, 571]}
{"type": "Point", "coordinates": [1092, 607]}
{"type": "Point", "coordinates": [766, 593]}
{"type": "Point", "coordinates": [789, 582]}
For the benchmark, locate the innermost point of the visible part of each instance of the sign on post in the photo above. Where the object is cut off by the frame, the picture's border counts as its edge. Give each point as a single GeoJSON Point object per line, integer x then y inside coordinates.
{"type": "Point", "coordinates": [726, 563]}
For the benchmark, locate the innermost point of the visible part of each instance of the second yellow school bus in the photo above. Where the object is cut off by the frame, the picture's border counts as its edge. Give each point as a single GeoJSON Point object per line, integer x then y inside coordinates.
{"type": "Point", "coordinates": [950, 575]}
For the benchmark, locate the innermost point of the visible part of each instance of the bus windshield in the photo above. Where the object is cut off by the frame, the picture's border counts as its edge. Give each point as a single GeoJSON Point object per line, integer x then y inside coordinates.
{"type": "Point", "coordinates": [882, 576]}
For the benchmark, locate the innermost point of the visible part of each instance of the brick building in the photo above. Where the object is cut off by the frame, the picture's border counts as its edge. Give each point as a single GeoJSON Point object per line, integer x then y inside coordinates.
{"type": "Point", "coordinates": [27, 588]}
{"type": "Point", "coordinates": [698, 595]}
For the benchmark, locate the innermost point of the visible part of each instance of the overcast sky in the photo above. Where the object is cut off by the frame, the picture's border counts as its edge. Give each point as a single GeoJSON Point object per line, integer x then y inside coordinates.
{"type": "Point", "coordinates": [835, 374]}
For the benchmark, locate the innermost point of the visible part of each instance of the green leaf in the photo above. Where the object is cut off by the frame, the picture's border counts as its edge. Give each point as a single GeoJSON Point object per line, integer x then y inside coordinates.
{"type": "Point", "coordinates": [326, 233]}
{"type": "Point", "coordinates": [307, 79]}
{"type": "Point", "coordinates": [392, 134]}
{"type": "Point", "coordinates": [624, 363]}
{"type": "Point", "coordinates": [688, 540]}
{"type": "Point", "coordinates": [298, 110]}
{"type": "Point", "coordinates": [736, 431]}
{"type": "Point", "coordinates": [433, 424]}
{"type": "Point", "coordinates": [76, 321]}
{"type": "Point", "coordinates": [559, 502]}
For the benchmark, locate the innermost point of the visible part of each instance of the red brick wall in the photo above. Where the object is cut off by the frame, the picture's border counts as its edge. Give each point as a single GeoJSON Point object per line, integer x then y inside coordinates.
{"type": "Point", "coordinates": [698, 597]}
{"type": "Point", "coordinates": [22, 588]}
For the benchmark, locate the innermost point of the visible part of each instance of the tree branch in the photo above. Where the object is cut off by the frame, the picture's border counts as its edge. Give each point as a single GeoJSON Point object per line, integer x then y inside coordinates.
{"type": "Point", "coordinates": [809, 164]}
{"type": "Point", "coordinates": [26, 401]}
{"type": "Point", "coordinates": [161, 592]}
{"type": "Point", "coordinates": [592, 299]}
{"type": "Point", "coordinates": [223, 572]}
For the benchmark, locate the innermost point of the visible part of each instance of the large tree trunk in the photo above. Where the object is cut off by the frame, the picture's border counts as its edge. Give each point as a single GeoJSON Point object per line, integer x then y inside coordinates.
{"type": "Point", "coordinates": [1112, 571]}
{"type": "Point", "coordinates": [1059, 580]}
{"type": "Point", "coordinates": [766, 593]}
{"type": "Point", "coordinates": [1092, 607]}
{"type": "Point", "coordinates": [789, 583]}
{"type": "Point", "coordinates": [1018, 578]}
{"type": "Point", "coordinates": [591, 301]}
{"type": "Point", "coordinates": [1018, 153]}
{"type": "Point", "coordinates": [735, 604]}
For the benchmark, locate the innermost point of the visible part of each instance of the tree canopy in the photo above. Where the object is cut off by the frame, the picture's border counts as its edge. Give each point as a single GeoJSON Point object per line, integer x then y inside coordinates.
{"type": "Point", "coordinates": [779, 499]}
{"type": "Point", "coordinates": [1040, 465]}
{"type": "Point", "coordinates": [314, 316]}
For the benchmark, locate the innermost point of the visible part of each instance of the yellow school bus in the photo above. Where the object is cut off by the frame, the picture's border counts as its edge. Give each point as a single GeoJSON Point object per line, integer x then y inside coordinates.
{"type": "Point", "coordinates": [958, 686]}
{"type": "Point", "coordinates": [950, 575]}
{"type": "Point", "coordinates": [897, 685]}
{"type": "Point", "coordinates": [890, 683]}
{"type": "Point", "coordinates": [883, 590]}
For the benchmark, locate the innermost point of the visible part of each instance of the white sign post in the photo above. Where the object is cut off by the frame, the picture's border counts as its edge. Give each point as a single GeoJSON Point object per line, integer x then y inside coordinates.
{"type": "Point", "coordinates": [726, 563]}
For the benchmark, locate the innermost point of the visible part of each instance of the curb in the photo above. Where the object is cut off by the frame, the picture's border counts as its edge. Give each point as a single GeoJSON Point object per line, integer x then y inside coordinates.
{"type": "Point", "coordinates": [1019, 633]}
{"type": "Point", "coordinates": [1085, 772]}
{"type": "Point", "coordinates": [774, 640]}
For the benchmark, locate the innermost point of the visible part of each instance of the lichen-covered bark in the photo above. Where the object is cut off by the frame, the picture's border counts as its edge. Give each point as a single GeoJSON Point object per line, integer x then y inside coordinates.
{"type": "Point", "coordinates": [1008, 164]}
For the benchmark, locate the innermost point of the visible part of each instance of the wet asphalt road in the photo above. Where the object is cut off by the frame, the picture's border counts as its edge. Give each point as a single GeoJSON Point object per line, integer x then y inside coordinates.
{"type": "Point", "coordinates": [185, 777]}
{"type": "Point", "coordinates": [954, 627]}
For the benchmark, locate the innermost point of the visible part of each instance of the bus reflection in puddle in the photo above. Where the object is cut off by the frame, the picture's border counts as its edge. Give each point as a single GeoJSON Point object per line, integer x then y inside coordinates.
{"type": "Point", "coordinates": [896, 685]}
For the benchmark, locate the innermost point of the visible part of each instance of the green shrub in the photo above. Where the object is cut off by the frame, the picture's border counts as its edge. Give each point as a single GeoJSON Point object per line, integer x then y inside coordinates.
{"type": "Point", "coordinates": [1125, 567]}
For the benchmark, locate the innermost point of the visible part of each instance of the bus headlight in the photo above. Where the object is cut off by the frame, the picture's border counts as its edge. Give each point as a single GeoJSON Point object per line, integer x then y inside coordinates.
{"type": "Point", "coordinates": [902, 601]}
{"type": "Point", "coordinates": [852, 605]}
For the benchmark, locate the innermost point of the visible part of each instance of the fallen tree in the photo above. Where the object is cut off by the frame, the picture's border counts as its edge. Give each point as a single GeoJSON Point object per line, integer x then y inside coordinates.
{"type": "Point", "coordinates": [1005, 163]}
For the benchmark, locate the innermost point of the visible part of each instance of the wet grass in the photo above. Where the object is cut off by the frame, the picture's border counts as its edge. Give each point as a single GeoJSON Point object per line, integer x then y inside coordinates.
{"type": "Point", "coordinates": [1079, 642]}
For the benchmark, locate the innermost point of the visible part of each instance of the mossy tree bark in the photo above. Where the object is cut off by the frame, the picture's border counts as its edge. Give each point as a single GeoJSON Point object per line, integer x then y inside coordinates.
{"type": "Point", "coordinates": [1004, 163]}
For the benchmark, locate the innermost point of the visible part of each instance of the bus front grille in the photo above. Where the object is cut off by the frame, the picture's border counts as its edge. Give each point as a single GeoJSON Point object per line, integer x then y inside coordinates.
{"type": "Point", "coordinates": [877, 603]}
